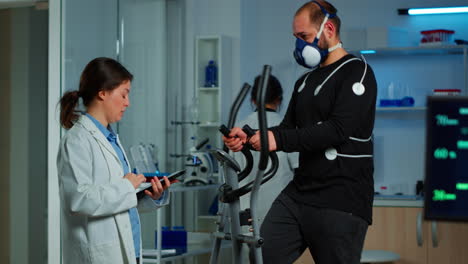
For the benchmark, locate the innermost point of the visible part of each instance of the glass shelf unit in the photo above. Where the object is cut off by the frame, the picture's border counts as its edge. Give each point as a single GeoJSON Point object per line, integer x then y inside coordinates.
{"type": "Point", "coordinates": [211, 99]}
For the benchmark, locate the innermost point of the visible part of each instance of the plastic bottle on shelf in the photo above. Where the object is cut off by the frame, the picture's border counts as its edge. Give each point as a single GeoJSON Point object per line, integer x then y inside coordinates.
{"type": "Point", "coordinates": [211, 74]}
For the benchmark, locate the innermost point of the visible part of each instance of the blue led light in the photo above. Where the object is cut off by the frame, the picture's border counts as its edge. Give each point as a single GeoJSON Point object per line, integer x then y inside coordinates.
{"type": "Point", "coordinates": [368, 51]}
{"type": "Point", "coordinates": [437, 10]}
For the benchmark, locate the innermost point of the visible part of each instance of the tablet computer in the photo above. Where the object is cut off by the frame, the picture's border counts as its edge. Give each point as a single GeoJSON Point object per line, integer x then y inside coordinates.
{"type": "Point", "coordinates": [140, 191]}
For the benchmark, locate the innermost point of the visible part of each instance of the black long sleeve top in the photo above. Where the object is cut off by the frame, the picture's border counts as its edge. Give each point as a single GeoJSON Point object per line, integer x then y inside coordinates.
{"type": "Point", "coordinates": [331, 127]}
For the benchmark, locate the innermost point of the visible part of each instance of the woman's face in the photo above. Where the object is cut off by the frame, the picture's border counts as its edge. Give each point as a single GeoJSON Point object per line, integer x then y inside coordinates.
{"type": "Point", "coordinates": [116, 102]}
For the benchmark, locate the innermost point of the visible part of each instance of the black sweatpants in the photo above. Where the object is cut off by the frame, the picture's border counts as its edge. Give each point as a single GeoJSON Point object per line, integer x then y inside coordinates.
{"type": "Point", "coordinates": [332, 236]}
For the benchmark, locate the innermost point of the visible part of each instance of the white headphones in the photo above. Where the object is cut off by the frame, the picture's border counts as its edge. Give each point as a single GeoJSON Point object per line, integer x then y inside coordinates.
{"type": "Point", "coordinates": [358, 87]}
{"type": "Point", "coordinates": [332, 153]}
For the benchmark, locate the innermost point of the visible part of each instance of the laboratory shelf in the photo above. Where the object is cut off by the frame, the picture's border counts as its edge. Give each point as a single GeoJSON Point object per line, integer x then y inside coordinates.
{"type": "Point", "coordinates": [420, 50]}
{"type": "Point", "coordinates": [208, 89]}
{"type": "Point", "coordinates": [210, 100]}
{"type": "Point", "coordinates": [398, 203]}
{"type": "Point", "coordinates": [385, 200]}
{"type": "Point", "coordinates": [181, 188]}
{"type": "Point", "coordinates": [400, 109]}
{"type": "Point", "coordinates": [192, 250]}
{"type": "Point", "coordinates": [209, 124]}
{"type": "Point", "coordinates": [397, 197]}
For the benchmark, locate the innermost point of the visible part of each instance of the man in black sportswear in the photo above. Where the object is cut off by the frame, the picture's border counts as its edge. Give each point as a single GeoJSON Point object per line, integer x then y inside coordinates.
{"type": "Point", "coordinates": [328, 205]}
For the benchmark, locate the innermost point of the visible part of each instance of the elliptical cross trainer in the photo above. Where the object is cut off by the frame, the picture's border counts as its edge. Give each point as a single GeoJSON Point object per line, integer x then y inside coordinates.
{"type": "Point", "coordinates": [230, 192]}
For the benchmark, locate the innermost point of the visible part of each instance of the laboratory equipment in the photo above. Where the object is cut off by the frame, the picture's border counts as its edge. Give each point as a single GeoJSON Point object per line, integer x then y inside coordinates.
{"type": "Point", "coordinates": [201, 165]}
{"type": "Point", "coordinates": [143, 158]}
{"type": "Point", "coordinates": [447, 92]}
{"type": "Point", "coordinates": [437, 37]}
{"type": "Point", "coordinates": [446, 183]}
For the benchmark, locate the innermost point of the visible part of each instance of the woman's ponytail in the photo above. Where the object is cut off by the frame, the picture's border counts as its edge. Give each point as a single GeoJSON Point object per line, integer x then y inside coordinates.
{"type": "Point", "coordinates": [68, 114]}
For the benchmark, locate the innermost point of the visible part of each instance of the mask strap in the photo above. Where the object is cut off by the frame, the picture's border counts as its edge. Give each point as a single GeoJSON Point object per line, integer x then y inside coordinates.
{"type": "Point", "coordinates": [322, 26]}
{"type": "Point", "coordinates": [324, 10]}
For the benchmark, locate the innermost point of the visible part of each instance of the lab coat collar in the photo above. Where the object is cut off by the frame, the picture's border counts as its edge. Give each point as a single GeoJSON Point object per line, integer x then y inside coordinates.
{"type": "Point", "coordinates": [123, 151]}
{"type": "Point", "coordinates": [89, 125]}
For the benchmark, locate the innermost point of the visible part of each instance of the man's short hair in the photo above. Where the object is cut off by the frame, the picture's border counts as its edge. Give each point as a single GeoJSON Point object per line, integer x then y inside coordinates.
{"type": "Point", "coordinates": [316, 15]}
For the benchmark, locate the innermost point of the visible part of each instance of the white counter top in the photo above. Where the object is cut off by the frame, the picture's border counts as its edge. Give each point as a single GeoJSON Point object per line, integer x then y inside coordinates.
{"type": "Point", "coordinates": [398, 201]}
{"type": "Point", "coordinates": [378, 256]}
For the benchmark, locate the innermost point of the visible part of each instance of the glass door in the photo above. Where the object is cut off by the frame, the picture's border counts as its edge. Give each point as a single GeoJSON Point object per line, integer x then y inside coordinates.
{"type": "Point", "coordinates": [142, 50]}
{"type": "Point", "coordinates": [89, 30]}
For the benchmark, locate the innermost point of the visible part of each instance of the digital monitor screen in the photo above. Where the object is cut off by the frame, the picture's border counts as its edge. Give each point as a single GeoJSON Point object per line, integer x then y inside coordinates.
{"type": "Point", "coordinates": [446, 183]}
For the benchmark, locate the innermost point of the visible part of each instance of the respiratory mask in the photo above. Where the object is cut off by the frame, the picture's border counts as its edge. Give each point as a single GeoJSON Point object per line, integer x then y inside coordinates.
{"type": "Point", "coordinates": [310, 55]}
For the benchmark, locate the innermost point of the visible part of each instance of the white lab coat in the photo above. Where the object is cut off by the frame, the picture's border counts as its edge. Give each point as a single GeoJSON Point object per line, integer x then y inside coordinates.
{"type": "Point", "coordinates": [95, 199]}
{"type": "Point", "coordinates": [269, 190]}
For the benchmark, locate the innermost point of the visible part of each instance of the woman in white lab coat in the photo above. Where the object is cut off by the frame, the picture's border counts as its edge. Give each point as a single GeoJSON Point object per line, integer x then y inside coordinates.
{"type": "Point", "coordinates": [100, 222]}
{"type": "Point", "coordinates": [287, 161]}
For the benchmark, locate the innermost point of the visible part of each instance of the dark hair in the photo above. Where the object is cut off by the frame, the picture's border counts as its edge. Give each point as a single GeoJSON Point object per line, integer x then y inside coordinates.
{"type": "Point", "coordinates": [274, 90]}
{"type": "Point", "coordinates": [316, 15]}
{"type": "Point", "coordinates": [101, 74]}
